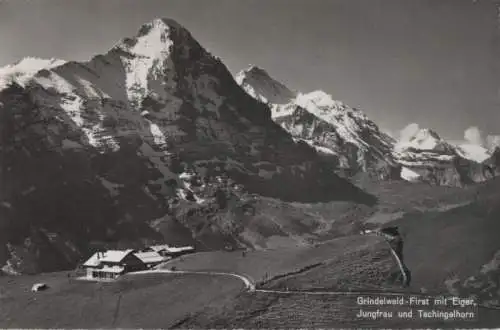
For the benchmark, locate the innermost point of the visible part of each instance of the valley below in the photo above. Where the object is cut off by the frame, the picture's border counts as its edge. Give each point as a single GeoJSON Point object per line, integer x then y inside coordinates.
{"type": "Point", "coordinates": [297, 285]}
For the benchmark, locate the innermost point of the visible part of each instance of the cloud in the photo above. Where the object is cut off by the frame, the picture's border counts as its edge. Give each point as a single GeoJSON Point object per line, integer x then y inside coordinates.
{"type": "Point", "coordinates": [406, 133]}
{"type": "Point", "coordinates": [492, 141]}
{"type": "Point", "coordinates": [473, 135]}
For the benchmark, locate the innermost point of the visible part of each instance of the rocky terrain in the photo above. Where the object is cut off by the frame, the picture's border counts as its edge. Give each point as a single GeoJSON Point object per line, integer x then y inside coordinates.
{"type": "Point", "coordinates": [355, 146]}
{"type": "Point", "coordinates": [155, 141]}
{"type": "Point", "coordinates": [152, 141]}
{"type": "Point", "coordinates": [425, 156]}
{"type": "Point", "coordinates": [345, 136]}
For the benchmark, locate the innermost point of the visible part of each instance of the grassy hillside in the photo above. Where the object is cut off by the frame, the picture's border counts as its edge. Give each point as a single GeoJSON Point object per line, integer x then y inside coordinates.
{"type": "Point", "coordinates": [155, 301]}
{"type": "Point", "coordinates": [146, 301]}
{"type": "Point", "coordinates": [279, 311]}
{"type": "Point", "coordinates": [463, 241]}
{"type": "Point", "coordinates": [451, 246]}
{"type": "Point", "coordinates": [344, 256]}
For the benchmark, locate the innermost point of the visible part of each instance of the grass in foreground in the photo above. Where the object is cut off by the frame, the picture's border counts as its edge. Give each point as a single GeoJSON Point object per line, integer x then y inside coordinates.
{"type": "Point", "coordinates": [139, 301]}
{"type": "Point", "coordinates": [289, 311]}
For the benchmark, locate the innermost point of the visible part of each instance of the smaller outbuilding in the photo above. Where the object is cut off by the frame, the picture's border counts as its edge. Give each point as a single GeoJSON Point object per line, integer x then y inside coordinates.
{"type": "Point", "coordinates": [151, 258]}
{"type": "Point", "coordinates": [170, 251]}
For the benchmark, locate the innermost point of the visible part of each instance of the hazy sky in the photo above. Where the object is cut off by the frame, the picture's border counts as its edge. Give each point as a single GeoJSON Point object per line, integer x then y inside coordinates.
{"type": "Point", "coordinates": [433, 62]}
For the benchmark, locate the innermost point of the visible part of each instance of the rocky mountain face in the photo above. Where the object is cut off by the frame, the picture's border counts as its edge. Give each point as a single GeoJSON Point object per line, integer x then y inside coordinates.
{"type": "Point", "coordinates": [345, 136]}
{"type": "Point", "coordinates": [152, 141]}
{"type": "Point", "coordinates": [425, 156]}
{"type": "Point", "coordinates": [356, 147]}
{"type": "Point", "coordinates": [257, 82]}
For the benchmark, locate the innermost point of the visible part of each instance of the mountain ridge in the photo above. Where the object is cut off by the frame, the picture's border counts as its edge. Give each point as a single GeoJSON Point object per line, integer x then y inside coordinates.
{"type": "Point", "coordinates": [428, 157]}
{"type": "Point", "coordinates": [151, 141]}
{"type": "Point", "coordinates": [355, 145]}
{"type": "Point", "coordinates": [273, 91]}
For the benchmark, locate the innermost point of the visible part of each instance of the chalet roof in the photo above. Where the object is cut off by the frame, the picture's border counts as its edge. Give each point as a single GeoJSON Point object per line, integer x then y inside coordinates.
{"type": "Point", "coordinates": [113, 256]}
{"type": "Point", "coordinates": [149, 257]}
{"type": "Point", "coordinates": [167, 248]}
{"type": "Point", "coordinates": [179, 249]}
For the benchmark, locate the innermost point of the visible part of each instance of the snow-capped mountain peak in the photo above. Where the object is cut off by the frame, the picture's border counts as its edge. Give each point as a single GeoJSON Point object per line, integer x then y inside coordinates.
{"type": "Point", "coordinates": [23, 70]}
{"type": "Point", "coordinates": [152, 39]}
{"type": "Point", "coordinates": [156, 36]}
{"type": "Point", "coordinates": [426, 133]}
{"type": "Point", "coordinates": [149, 57]}
{"type": "Point", "coordinates": [319, 100]}
{"type": "Point", "coordinates": [426, 138]}
{"type": "Point", "coordinates": [260, 85]}
{"type": "Point", "coordinates": [423, 139]}
{"type": "Point", "coordinates": [156, 120]}
{"type": "Point", "coordinates": [331, 126]}
{"type": "Point", "coordinates": [163, 86]}
{"type": "Point", "coordinates": [473, 152]}
{"type": "Point", "coordinates": [426, 156]}
{"type": "Point", "coordinates": [253, 71]}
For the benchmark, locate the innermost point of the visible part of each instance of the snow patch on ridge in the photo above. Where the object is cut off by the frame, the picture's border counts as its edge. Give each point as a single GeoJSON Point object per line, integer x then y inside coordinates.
{"type": "Point", "coordinates": [473, 152]}
{"type": "Point", "coordinates": [149, 51]}
{"type": "Point", "coordinates": [24, 70]}
{"type": "Point", "coordinates": [319, 149]}
{"type": "Point", "coordinates": [319, 100]}
{"type": "Point", "coordinates": [409, 175]}
{"type": "Point", "coordinates": [282, 110]}
{"type": "Point", "coordinates": [346, 120]}
{"type": "Point", "coordinates": [423, 139]}
{"type": "Point", "coordinates": [158, 136]}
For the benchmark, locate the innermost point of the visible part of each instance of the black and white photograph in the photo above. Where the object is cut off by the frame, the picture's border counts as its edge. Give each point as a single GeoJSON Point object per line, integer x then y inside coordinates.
{"type": "Point", "coordinates": [249, 164]}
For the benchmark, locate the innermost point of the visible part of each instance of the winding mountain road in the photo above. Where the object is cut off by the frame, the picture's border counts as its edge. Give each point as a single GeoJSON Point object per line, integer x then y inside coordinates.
{"type": "Point", "coordinates": [251, 287]}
